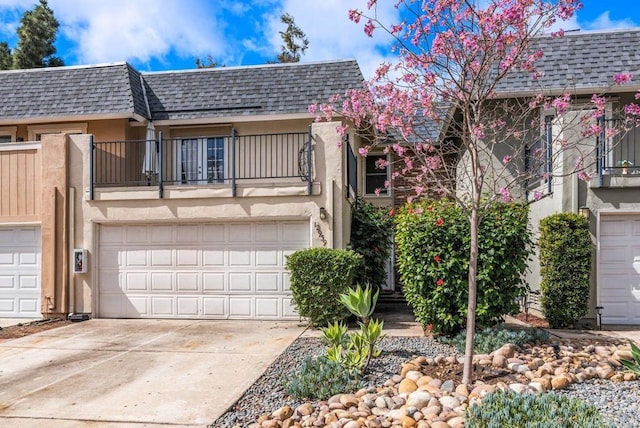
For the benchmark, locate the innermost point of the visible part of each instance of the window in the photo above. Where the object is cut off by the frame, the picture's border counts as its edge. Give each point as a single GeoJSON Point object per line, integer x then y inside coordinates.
{"type": "Point", "coordinates": [352, 172]}
{"type": "Point", "coordinates": [8, 134]}
{"type": "Point", "coordinates": [375, 177]}
{"type": "Point", "coordinates": [538, 157]}
{"type": "Point", "coordinates": [202, 160]}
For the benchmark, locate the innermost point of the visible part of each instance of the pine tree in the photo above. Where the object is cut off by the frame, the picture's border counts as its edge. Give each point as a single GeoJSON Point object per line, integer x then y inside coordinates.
{"type": "Point", "coordinates": [6, 60]}
{"type": "Point", "coordinates": [295, 41]}
{"type": "Point", "coordinates": [36, 34]}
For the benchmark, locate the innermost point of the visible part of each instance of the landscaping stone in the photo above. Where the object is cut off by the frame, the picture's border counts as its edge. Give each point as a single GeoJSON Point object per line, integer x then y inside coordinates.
{"type": "Point", "coordinates": [413, 399]}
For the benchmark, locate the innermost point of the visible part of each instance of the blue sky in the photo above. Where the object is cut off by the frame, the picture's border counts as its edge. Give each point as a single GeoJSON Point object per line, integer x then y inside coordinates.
{"type": "Point", "coordinates": [170, 34]}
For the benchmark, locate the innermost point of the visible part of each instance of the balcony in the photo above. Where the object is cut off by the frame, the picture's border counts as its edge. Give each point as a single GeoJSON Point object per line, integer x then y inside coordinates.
{"type": "Point", "coordinates": [225, 162]}
{"type": "Point", "coordinates": [618, 156]}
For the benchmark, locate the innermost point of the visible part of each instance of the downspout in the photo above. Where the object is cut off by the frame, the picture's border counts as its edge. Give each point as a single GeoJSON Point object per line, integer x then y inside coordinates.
{"type": "Point", "coordinates": [72, 239]}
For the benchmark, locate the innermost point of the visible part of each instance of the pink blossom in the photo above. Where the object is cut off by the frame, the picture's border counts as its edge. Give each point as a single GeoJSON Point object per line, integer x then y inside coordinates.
{"type": "Point", "coordinates": [632, 109]}
{"type": "Point", "coordinates": [368, 28]}
{"type": "Point", "coordinates": [355, 15]}
{"type": "Point", "coordinates": [506, 159]}
{"type": "Point", "coordinates": [622, 78]}
{"type": "Point", "coordinates": [364, 151]}
{"type": "Point", "coordinates": [562, 103]}
{"type": "Point", "coordinates": [381, 163]}
{"type": "Point", "coordinates": [505, 195]}
{"type": "Point", "coordinates": [537, 195]}
{"type": "Point", "coordinates": [342, 129]}
{"type": "Point", "coordinates": [559, 33]}
{"type": "Point", "coordinates": [584, 176]}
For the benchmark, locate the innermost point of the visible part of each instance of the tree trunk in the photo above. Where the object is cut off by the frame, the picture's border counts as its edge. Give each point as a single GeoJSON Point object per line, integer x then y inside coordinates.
{"type": "Point", "coordinates": [473, 291]}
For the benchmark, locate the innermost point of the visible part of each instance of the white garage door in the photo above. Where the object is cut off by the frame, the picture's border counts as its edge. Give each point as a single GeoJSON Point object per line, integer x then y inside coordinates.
{"type": "Point", "coordinates": [20, 272]}
{"type": "Point", "coordinates": [619, 269]}
{"type": "Point", "coordinates": [213, 271]}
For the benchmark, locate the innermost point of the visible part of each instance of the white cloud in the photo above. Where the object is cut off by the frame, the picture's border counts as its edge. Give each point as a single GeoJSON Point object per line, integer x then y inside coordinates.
{"type": "Point", "coordinates": [604, 22]}
{"type": "Point", "coordinates": [139, 30]}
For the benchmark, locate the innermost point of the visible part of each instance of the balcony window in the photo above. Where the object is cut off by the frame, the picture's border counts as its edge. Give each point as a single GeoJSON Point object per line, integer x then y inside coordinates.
{"type": "Point", "coordinates": [202, 160]}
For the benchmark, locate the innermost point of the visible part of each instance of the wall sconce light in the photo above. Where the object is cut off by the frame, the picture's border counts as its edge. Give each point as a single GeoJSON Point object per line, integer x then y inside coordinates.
{"type": "Point", "coordinates": [584, 212]}
{"type": "Point", "coordinates": [599, 311]}
{"type": "Point", "coordinates": [323, 213]}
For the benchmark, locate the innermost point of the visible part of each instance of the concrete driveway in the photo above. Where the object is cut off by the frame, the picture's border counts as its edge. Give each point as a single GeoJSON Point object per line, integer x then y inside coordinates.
{"type": "Point", "coordinates": [135, 372]}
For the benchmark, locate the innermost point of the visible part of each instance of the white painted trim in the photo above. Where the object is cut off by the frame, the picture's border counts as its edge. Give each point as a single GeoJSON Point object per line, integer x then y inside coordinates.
{"type": "Point", "coordinates": [212, 120]}
{"type": "Point", "coordinates": [19, 224]}
{"type": "Point", "coordinates": [32, 145]}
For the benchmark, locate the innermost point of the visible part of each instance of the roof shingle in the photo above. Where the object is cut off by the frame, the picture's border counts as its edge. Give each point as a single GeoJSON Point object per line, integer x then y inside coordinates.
{"type": "Point", "coordinates": [71, 91]}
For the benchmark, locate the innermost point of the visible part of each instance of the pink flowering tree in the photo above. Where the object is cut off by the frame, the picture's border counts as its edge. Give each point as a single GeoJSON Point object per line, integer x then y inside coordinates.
{"type": "Point", "coordinates": [454, 61]}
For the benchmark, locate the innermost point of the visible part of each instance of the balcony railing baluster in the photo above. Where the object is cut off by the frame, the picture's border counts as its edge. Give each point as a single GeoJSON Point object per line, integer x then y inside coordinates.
{"type": "Point", "coordinates": [208, 160]}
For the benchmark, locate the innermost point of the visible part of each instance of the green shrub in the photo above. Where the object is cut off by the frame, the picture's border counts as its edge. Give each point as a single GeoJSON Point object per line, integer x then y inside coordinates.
{"type": "Point", "coordinates": [510, 409]}
{"type": "Point", "coordinates": [565, 265]}
{"type": "Point", "coordinates": [490, 339]}
{"type": "Point", "coordinates": [371, 229]}
{"type": "Point", "coordinates": [320, 379]}
{"type": "Point", "coordinates": [432, 242]}
{"type": "Point", "coordinates": [318, 277]}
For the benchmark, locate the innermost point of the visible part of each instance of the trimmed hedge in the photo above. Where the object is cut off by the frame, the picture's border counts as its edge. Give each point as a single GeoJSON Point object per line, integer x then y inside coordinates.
{"type": "Point", "coordinates": [318, 277]}
{"type": "Point", "coordinates": [565, 266]}
{"type": "Point", "coordinates": [432, 240]}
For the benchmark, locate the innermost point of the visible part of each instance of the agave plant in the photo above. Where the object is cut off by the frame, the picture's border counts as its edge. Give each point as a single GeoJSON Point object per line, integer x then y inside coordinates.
{"type": "Point", "coordinates": [633, 365]}
{"type": "Point", "coordinates": [360, 302]}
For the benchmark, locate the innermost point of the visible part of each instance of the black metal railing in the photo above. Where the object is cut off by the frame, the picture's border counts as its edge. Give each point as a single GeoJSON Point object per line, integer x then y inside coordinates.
{"type": "Point", "coordinates": [618, 148]}
{"type": "Point", "coordinates": [208, 160]}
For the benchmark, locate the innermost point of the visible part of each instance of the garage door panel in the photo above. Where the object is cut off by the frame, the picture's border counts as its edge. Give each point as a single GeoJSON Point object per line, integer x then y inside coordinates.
{"type": "Point", "coordinates": [187, 281]}
{"type": "Point", "coordinates": [162, 306]}
{"type": "Point", "coordinates": [239, 281]}
{"type": "Point", "coordinates": [188, 234]}
{"type": "Point", "coordinates": [241, 232]}
{"type": "Point", "coordinates": [267, 232]}
{"type": "Point", "coordinates": [20, 272]}
{"type": "Point", "coordinates": [619, 268]}
{"type": "Point", "coordinates": [188, 306]}
{"type": "Point", "coordinates": [267, 307]}
{"type": "Point", "coordinates": [213, 233]}
{"type": "Point", "coordinates": [215, 307]}
{"type": "Point", "coordinates": [288, 308]}
{"type": "Point", "coordinates": [161, 282]}
{"type": "Point", "coordinates": [239, 258]}
{"type": "Point", "coordinates": [136, 234]}
{"type": "Point", "coordinates": [267, 257]}
{"type": "Point", "coordinates": [234, 270]}
{"type": "Point", "coordinates": [213, 257]}
{"type": "Point", "coordinates": [162, 234]}
{"type": "Point", "coordinates": [161, 257]}
{"type": "Point", "coordinates": [213, 282]}
{"type": "Point", "coordinates": [267, 281]}
{"type": "Point", "coordinates": [187, 257]}
{"type": "Point", "coordinates": [135, 281]}
{"type": "Point", "coordinates": [240, 307]}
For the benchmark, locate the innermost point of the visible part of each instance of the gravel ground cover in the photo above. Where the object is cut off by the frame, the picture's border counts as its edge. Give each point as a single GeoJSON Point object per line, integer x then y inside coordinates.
{"type": "Point", "coordinates": [267, 394]}
{"type": "Point", "coordinates": [617, 401]}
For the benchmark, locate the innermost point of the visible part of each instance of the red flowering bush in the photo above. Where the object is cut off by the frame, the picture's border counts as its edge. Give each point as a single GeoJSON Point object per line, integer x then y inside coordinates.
{"type": "Point", "coordinates": [432, 244]}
